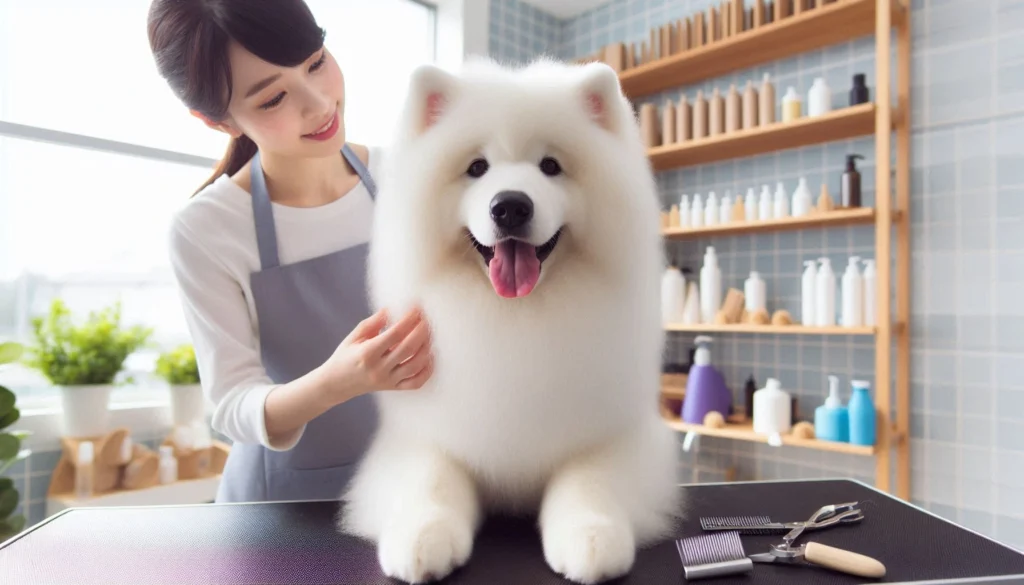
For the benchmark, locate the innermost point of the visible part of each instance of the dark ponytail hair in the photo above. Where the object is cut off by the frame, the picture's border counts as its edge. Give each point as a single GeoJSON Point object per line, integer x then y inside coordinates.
{"type": "Point", "coordinates": [190, 39]}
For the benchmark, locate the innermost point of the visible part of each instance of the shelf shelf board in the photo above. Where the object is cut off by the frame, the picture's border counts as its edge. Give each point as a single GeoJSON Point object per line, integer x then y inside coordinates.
{"type": "Point", "coordinates": [840, 124]}
{"type": "Point", "coordinates": [837, 22]}
{"type": "Point", "coordinates": [836, 217]}
{"type": "Point", "coordinates": [745, 432]}
{"type": "Point", "coordinates": [794, 329]}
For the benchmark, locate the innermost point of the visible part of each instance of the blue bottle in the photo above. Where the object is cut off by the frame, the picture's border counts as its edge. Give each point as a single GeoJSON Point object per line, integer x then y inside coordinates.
{"type": "Point", "coordinates": [832, 419]}
{"type": "Point", "coordinates": [862, 415]}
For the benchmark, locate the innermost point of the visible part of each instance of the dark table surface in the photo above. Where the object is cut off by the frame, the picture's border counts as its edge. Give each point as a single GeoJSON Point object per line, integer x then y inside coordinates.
{"type": "Point", "coordinates": [296, 543]}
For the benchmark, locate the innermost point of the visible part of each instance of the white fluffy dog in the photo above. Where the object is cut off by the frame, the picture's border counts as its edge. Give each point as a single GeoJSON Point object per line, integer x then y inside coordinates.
{"type": "Point", "coordinates": [519, 210]}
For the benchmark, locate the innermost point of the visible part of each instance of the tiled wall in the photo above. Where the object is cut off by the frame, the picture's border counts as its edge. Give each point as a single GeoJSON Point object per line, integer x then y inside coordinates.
{"type": "Point", "coordinates": [967, 191]}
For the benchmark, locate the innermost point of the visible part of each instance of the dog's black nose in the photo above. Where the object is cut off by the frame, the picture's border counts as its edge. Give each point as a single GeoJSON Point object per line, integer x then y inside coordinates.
{"type": "Point", "coordinates": [511, 209]}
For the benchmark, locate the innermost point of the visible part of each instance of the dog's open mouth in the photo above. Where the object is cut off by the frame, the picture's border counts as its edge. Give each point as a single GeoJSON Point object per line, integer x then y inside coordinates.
{"type": "Point", "coordinates": [514, 265]}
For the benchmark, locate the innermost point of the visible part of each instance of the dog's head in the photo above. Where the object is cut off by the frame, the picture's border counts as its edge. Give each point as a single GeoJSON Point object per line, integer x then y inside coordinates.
{"type": "Point", "coordinates": [514, 173]}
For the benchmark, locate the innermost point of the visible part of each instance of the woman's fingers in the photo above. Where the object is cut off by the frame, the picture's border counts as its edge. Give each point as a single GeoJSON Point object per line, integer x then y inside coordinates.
{"type": "Point", "coordinates": [410, 346]}
{"type": "Point", "coordinates": [417, 380]}
{"type": "Point", "coordinates": [386, 340]}
{"type": "Point", "coordinates": [411, 367]}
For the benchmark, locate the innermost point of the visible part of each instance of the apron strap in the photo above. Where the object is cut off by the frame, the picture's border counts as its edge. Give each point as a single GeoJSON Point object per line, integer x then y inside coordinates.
{"type": "Point", "coordinates": [360, 169]}
{"type": "Point", "coordinates": [263, 214]}
{"type": "Point", "coordinates": [263, 211]}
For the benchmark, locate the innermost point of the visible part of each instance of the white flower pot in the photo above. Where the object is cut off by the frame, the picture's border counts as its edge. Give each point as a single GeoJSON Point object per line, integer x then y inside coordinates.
{"type": "Point", "coordinates": [187, 404]}
{"type": "Point", "coordinates": [86, 409]}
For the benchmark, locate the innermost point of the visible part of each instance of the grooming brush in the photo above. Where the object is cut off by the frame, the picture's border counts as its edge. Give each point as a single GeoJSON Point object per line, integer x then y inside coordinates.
{"type": "Point", "coordinates": [744, 525]}
{"type": "Point", "coordinates": [713, 555]}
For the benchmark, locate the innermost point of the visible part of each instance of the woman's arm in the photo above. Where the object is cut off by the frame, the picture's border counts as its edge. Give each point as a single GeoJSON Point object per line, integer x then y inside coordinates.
{"type": "Point", "coordinates": [230, 366]}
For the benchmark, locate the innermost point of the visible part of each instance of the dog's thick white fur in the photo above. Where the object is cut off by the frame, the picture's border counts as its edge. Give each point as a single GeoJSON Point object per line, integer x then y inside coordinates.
{"type": "Point", "coordinates": [542, 401]}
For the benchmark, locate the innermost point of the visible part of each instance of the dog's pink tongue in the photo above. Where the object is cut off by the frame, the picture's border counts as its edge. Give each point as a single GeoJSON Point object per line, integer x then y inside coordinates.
{"type": "Point", "coordinates": [514, 269]}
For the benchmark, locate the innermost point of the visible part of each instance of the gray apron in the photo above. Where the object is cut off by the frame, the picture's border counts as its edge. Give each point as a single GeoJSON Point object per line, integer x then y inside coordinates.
{"type": "Point", "coordinates": [305, 309]}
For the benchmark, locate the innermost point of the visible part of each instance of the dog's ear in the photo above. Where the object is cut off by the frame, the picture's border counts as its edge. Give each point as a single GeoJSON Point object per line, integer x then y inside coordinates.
{"type": "Point", "coordinates": [431, 92]}
{"type": "Point", "coordinates": [601, 95]}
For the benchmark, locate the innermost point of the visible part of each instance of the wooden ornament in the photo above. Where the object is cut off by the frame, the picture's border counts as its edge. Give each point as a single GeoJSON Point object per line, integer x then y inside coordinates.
{"type": "Point", "coordinates": [721, 318]}
{"type": "Point", "coordinates": [732, 306]}
{"type": "Point", "coordinates": [803, 430]}
{"type": "Point", "coordinates": [760, 317]}
{"type": "Point", "coordinates": [714, 420]}
{"type": "Point", "coordinates": [782, 317]}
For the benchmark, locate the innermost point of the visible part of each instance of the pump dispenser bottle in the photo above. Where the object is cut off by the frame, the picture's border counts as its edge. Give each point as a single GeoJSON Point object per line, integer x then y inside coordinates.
{"type": "Point", "coordinates": [697, 212]}
{"type": "Point", "coordinates": [802, 199]}
{"type": "Point", "coordinates": [684, 211]}
{"type": "Point", "coordinates": [831, 420]}
{"type": "Point", "coordinates": [711, 209]}
{"type": "Point", "coordinates": [750, 205]}
{"type": "Point", "coordinates": [869, 293]}
{"type": "Point", "coordinates": [781, 206]}
{"type": "Point", "coordinates": [705, 387]}
{"type": "Point", "coordinates": [764, 204]}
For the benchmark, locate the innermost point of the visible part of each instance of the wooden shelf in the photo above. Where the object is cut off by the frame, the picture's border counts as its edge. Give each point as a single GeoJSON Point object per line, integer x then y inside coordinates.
{"type": "Point", "coordinates": [840, 124]}
{"type": "Point", "coordinates": [745, 432]}
{"type": "Point", "coordinates": [794, 329]}
{"type": "Point", "coordinates": [836, 217]}
{"type": "Point", "coordinates": [840, 21]}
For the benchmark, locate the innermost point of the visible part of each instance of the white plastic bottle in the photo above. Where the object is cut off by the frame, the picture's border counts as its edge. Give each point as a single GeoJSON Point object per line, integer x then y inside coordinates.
{"type": "Point", "coordinates": [725, 209]}
{"type": "Point", "coordinates": [711, 209]}
{"type": "Point", "coordinates": [802, 203]}
{"type": "Point", "coordinates": [168, 465]}
{"type": "Point", "coordinates": [808, 295]}
{"type": "Point", "coordinates": [710, 286]}
{"type": "Point", "coordinates": [750, 205]}
{"type": "Point", "coordinates": [853, 295]}
{"type": "Point", "coordinates": [684, 211]}
{"type": "Point", "coordinates": [781, 207]}
{"type": "Point", "coordinates": [764, 204]}
{"type": "Point", "coordinates": [870, 315]}
{"type": "Point", "coordinates": [697, 212]}
{"type": "Point", "coordinates": [691, 308]}
{"type": "Point", "coordinates": [825, 287]}
{"type": "Point", "coordinates": [819, 98]}
{"type": "Point", "coordinates": [673, 289]}
{"type": "Point", "coordinates": [85, 476]}
{"type": "Point", "coordinates": [754, 293]}
{"type": "Point", "coordinates": [773, 409]}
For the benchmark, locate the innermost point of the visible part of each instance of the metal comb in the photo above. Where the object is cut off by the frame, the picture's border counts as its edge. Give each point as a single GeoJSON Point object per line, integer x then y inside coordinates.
{"type": "Point", "coordinates": [713, 555]}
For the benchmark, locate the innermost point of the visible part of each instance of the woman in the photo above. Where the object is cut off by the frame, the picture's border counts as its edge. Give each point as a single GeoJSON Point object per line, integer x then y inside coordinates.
{"type": "Point", "coordinates": [269, 254]}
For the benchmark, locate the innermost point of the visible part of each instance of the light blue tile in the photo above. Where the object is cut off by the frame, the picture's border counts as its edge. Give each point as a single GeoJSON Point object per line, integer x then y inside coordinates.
{"type": "Point", "coordinates": [977, 463]}
{"type": "Point", "coordinates": [1011, 500]}
{"type": "Point", "coordinates": [38, 486]}
{"type": "Point", "coordinates": [1009, 468]}
{"type": "Point", "coordinates": [940, 208]}
{"type": "Point", "coordinates": [1009, 370]}
{"type": "Point", "coordinates": [977, 520]}
{"type": "Point", "coordinates": [960, 82]}
{"type": "Point", "coordinates": [976, 431]}
{"type": "Point", "coordinates": [1010, 204]}
{"type": "Point", "coordinates": [942, 398]}
{"type": "Point", "coordinates": [975, 333]}
{"type": "Point", "coordinates": [1010, 267]}
{"type": "Point", "coordinates": [1009, 152]}
{"type": "Point", "coordinates": [1009, 329]}
{"type": "Point", "coordinates": [955, 23]}
{"type": "Point", "coordinates": [942, 427]}
{"type": "Point", "coordinates": [945, 511]}
{"type": "Point", "coordinates": [1010, 434]}
{"type": "Point", "coordinates": [1009, 17]}
{"type": "Point", "coordinates": [941, 331]}
{"type": "Point", "coordinates": [976, 235]}
{"type": "Point", "coordinates": [976, 369]}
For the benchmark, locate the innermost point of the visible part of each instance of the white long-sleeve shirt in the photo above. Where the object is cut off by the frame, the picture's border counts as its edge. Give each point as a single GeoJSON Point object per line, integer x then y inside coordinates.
{"type": "Point", "coordinates": [213, 252]}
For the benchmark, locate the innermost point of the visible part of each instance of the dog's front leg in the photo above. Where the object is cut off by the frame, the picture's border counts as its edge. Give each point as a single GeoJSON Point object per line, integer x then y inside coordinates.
{"type": "Point", "coordinates": [433, 518]}
{"type": "Point", "coordinates": [585, 531]}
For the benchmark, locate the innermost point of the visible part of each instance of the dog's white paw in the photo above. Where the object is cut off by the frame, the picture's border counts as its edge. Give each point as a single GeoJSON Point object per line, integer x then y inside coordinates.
{"type": "Point", "coordinates": [425, 549]}
{"type": "Point", "coordinates": [590, 552]}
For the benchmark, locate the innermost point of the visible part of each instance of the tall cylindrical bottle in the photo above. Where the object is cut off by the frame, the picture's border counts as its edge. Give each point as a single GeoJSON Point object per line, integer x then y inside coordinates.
{"type": "Point", "coordinates": [710, 286]}
{"type": "Point", "coordinates": [750, 205]}
{"type": "Point", "coordinates": [673, 295]}
{"type": "Point", "coordinates": [870, 308]}
{"type": "Point", "coordinates": [754, 293]}
{"type": "Point", "coordinates": [808, 294]}
{"type": "Point", "coordinates": [861, 412]}
{"type": "Point", "coordinates": [781, 204]}
{"type": "Point", "coordinates": [825, 287]}
{"type": "Point", "coordinates": [711, 209]}
{"type": "Point", "coordinates": [766, 100]}
{"type": "Point", "coordinates": [749, 106]}
{"type": "Point", "coordinates": [764, 204]}
{"type": "Point", "coordinates": [853, 295]}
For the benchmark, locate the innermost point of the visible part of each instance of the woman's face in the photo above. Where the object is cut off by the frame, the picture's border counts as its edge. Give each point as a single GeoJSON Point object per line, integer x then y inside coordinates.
{"type": "Point", "coordinates": [291, 111]}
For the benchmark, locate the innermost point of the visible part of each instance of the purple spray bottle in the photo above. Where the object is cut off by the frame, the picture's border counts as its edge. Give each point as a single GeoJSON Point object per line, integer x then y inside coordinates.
{"type": "Point", "coordinates": [705, 387]}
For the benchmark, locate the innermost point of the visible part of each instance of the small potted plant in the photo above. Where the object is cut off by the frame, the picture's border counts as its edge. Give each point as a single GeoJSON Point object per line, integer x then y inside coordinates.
{"type": "Point", "coordinates": [83, 360]}
{"type": "Point", "coordinates": [11, 450]}
{"type": "Point", "coordinates": [178, 368]}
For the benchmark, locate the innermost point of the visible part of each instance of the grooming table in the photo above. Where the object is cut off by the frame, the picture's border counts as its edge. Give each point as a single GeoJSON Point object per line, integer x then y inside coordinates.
{"type": "Point", "coordinates": [295, 543]}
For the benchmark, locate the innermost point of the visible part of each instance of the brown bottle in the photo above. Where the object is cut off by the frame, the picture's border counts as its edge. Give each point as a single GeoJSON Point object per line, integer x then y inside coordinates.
{"type": "Point", "coordinates": [684, 120]}
{"type": "Point", "coordinates": [668, 123]}
{"type": "Point", "coordinates": [700, 116]}
{"type": "Point", "coordinates": [766, 112]}
{"type": "Point", "coordinates": [716, 114]}
{"type": "Point", "coordinates": [749, 106]}
{"type": "Point", "coordinates": [733, 110]}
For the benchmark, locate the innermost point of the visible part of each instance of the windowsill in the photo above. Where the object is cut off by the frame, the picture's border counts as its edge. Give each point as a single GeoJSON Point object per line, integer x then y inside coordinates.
{"type": "Point", "coordinates": [145, 413]}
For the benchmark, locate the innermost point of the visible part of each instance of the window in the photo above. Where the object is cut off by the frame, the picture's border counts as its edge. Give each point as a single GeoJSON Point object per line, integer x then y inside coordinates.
{"type": "Point", "coordinates": [96, 152]}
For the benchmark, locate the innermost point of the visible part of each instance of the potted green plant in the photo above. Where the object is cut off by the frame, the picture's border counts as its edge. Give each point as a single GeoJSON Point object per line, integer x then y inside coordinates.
{"type": "Point", "coordinates": [178, 368]}
{"type": "Point", "coordinates": [83, 360]}
{"type": "Point", "coordinates": [11, 450]}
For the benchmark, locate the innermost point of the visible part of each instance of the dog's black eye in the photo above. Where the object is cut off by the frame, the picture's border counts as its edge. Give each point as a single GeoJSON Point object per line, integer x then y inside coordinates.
{"type": "Point", "coordinates": [477, 168]}
{"type": "Point", "coordinates": [550, 166]}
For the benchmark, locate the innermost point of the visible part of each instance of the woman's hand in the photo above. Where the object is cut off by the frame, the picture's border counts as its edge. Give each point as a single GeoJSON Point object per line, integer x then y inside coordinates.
{"type": "Point", "coordinates": [370, 360]}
